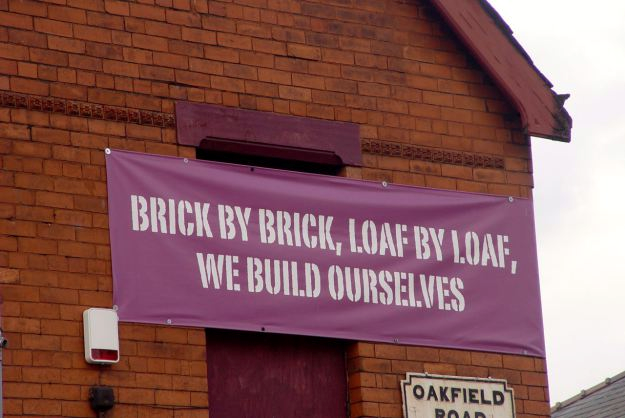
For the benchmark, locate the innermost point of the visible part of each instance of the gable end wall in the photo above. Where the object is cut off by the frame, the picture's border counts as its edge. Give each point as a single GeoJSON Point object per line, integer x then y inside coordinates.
{"type": "Point", "coordinates": [77, 76]}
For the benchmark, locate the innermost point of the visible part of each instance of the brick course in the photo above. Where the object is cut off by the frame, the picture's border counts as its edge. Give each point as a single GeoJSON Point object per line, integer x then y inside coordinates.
{"type": "Point", "coordinates": [78, 76]}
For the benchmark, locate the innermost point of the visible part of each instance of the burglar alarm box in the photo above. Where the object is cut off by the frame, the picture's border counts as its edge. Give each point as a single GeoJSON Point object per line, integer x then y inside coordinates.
{"type": "Point", "coordinates": [101, 336]}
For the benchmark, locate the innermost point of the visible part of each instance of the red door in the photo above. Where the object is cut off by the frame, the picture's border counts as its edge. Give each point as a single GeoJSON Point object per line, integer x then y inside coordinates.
{"type": "Point", "coordinates": [258, 375]}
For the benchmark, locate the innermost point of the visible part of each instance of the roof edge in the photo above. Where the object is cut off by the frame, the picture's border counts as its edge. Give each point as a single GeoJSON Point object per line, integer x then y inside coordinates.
{"type": "Point", "coordinates": [484, 32]}
{"type": "Point", "coordinates": [562, 116]}
{"type": "Point", "coordinates": [586, 392]}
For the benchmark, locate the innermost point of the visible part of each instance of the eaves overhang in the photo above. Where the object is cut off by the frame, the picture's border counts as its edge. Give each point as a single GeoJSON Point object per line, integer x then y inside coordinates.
{"type": "Point", "coordinates": [490, 40]}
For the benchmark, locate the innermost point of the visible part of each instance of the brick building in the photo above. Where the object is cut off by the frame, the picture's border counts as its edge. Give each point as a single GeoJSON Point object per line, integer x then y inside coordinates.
{"type": "Point", "coordinates": [443, 97]}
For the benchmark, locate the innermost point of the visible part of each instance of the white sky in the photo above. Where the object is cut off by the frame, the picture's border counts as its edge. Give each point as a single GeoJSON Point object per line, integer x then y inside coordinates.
{"type": "Point", "coordinates": [579, 196]}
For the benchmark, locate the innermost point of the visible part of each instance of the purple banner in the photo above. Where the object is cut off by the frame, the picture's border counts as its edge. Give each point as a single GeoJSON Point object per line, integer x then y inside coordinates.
{"type": "Point", "coordinates": [206, 244]}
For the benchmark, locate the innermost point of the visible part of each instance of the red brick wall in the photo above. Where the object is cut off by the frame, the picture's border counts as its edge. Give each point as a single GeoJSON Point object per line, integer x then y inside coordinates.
{"type": "Point", "coordinates": [77, 76]}
{"type": "Point", "coordinates": [376, 370]}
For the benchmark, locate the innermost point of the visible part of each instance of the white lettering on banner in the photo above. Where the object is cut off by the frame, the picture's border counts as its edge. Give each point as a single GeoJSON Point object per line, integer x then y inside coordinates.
{"type": "Point", "coordinates": [170, 218]}
{"type": "Point", "coordinates": [435, 396]}
{"type": "Point", "coordinates": [213, 270]}
{"type": "Point", "coordinates": [184, 207]}
{"type": "Point", "coordinates": [281, 277]}
{"type": "Point", "coordinates": [372, 239]}
{"type": "Point", "coordinates": [423, 237]}
{"type": "Point", "coordinates": [473, 247]}
{"type": "Point", "coordinates": [139, 208]}
{"type": "Point", "coordinates": [307, 230]}
{"type": "Point", "coordinates": [227, 226]}
{"type": "Point", "coordinates": [366, 238]}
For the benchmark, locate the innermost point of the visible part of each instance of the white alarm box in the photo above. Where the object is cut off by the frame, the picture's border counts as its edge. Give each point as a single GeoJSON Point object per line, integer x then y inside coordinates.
{"type": "Point", "coordinates": [101, 336]}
